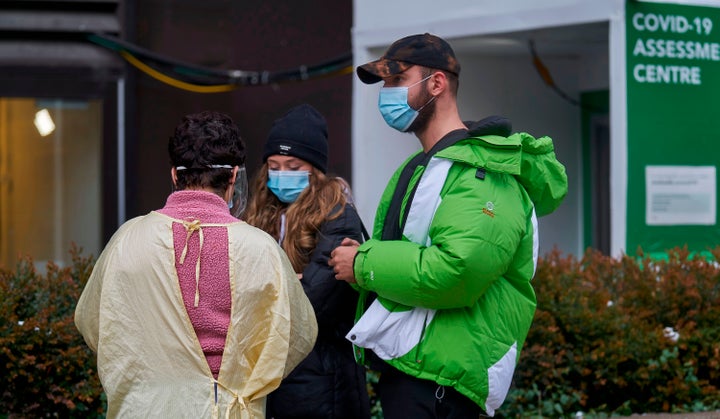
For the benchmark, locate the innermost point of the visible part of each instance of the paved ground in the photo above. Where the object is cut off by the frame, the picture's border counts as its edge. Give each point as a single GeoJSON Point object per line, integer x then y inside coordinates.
{"type": "Point", "coordinates": [701, 415]}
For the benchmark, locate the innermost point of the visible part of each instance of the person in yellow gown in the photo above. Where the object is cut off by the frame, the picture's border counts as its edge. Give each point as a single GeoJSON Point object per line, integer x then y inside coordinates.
{"type": "Point", "coordinates": [192, 312]}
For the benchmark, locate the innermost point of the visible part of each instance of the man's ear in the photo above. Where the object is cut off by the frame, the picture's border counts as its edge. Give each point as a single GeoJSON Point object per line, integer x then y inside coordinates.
{"type": "Point", "coordinates": [438, 83]}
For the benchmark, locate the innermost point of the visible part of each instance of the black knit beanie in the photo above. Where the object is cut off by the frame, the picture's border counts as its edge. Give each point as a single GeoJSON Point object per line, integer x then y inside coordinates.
{"type": "Point", "coordinates": [302, 133]}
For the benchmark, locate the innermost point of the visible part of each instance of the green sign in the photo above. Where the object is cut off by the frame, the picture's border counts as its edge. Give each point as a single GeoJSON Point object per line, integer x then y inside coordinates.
{"type": "Point", "coordinates": [673, 123]}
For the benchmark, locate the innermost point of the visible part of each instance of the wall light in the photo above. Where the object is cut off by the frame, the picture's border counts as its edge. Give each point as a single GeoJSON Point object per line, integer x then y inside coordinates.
{"type": "Point", "coordinates": [44, 123]}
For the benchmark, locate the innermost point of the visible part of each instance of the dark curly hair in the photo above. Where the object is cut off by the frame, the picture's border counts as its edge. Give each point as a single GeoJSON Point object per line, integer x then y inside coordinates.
{"type": "Point", "coordinates": [203, 139]}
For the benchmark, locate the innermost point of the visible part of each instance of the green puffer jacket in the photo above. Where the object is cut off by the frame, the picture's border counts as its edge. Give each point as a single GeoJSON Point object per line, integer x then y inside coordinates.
{"type": "Point", "coordinates": [454, 296]}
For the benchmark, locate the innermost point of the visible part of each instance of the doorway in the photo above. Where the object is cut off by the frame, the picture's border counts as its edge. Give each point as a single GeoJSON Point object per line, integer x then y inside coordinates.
{"type": "Point", "coordinates": [596, 170]}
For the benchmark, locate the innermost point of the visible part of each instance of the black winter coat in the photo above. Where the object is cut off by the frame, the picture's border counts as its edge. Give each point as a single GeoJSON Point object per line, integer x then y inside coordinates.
{"type": "Point", "coordinates": [328, 384]}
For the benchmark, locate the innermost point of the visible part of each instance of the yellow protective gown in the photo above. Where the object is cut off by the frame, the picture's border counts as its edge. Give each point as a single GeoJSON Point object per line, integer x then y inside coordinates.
{"type": "Point", "coordinates": [150, 362]}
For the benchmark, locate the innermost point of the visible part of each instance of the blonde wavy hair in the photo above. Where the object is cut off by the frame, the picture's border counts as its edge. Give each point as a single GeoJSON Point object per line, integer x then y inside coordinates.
{"type": "Point", "coordinates": [313, 207]}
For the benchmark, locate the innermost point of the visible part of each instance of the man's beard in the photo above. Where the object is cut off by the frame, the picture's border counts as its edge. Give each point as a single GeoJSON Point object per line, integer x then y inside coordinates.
{"type": "Point", "coordinates": [427, 102]}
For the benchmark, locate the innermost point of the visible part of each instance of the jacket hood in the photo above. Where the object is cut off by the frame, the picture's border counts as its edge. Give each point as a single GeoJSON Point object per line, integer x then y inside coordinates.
{"type": "Point", "coordinates": [541, 174]}
{"type": "Point", "coordinates": [490, 145]}
{"type": "Point", "coordinates": [492, 125]}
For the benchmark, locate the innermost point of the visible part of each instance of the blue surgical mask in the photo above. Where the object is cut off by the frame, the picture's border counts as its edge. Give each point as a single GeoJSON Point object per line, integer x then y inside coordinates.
{"type": "Point", "coordinates": [287, 185]}
{"type": "Point", "coordinates": [394, 107]}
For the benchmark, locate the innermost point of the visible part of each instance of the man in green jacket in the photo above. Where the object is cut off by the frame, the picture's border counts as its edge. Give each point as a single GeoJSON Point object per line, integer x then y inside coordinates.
{"type": "Point", "coordinates": [454, 246]}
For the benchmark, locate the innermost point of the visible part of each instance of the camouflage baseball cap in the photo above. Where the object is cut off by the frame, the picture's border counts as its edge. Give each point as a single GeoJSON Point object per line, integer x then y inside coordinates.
{"type": "Point", "coordinates": [423, 49]}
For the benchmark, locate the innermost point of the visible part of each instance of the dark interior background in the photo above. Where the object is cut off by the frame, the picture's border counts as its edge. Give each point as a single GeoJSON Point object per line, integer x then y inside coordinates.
{"type": "Point", "coordinates": [253, 35]}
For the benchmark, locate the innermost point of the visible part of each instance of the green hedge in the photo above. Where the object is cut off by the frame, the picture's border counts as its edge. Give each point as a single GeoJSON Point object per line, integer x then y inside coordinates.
{"type": "Point", "coordinates": [617, 336]}
{"type": "Point", "coordinates": [612, 336]}
{"type": "Point", "coordinates": [48, 371]}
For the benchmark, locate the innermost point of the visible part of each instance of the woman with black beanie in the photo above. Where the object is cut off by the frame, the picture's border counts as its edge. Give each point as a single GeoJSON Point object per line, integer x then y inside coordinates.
{"type": "Point", "coordinates": [309, 213]}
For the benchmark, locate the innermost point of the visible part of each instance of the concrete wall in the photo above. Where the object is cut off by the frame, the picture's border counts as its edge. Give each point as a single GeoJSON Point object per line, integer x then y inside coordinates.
{"type": "Point", "coordinates": [376, 21]}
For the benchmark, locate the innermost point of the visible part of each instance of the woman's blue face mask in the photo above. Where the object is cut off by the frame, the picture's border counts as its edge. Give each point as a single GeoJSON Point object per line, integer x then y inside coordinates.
{"type": "Point", "coordinates": [287, 185]}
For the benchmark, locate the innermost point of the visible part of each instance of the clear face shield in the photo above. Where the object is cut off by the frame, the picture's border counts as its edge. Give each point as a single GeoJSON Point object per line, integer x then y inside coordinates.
{"type": "Point", "coordinates": [239, 199]}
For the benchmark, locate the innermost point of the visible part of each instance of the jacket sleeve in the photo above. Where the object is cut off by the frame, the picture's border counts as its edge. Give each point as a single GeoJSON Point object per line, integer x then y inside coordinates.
{"type": "Point", "coordinates": [471, 246]}
{"type": "Point", "coordinates": [87, 311]}
{"type": "Point", "coordinates": [326, 293]}
{"type": "Point", "coordinates": [303, 329]}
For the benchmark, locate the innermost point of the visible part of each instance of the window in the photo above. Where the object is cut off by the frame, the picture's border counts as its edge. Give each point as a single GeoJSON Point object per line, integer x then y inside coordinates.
{"type": "Point", "coordinates": [51, 188]}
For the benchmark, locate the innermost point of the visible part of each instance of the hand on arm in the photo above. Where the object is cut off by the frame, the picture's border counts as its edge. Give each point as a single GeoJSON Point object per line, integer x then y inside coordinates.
{"type": "Point", "coordinates": [342, 259]}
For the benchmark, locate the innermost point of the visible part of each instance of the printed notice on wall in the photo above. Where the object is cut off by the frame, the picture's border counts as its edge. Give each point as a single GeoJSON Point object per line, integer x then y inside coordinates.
{"type": "Point", "coordinates": [673, 126]}
{"type": "Point", "coordinates": [680, 195]}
